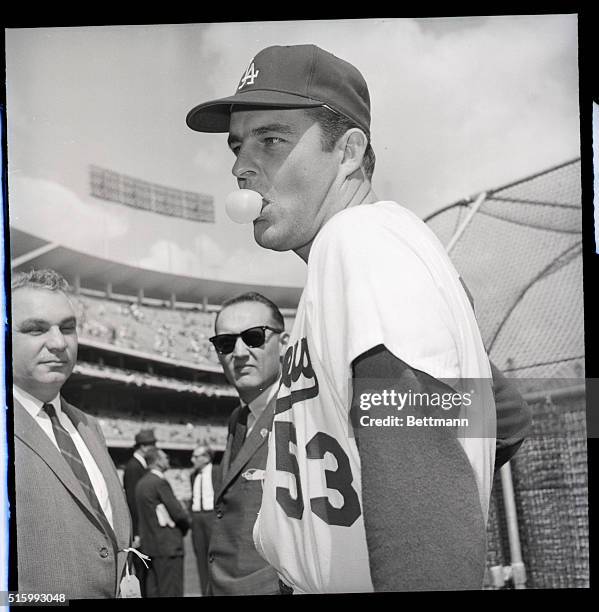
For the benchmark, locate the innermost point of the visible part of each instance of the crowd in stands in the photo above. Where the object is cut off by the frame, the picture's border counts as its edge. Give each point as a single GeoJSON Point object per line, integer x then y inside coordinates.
{"type": "Point", "coordinates": [122, 425]}
{"type": "Point", "coordinates": [171, 333]}
{"type": "Point", "coordinates": [144, 379]}
{"type": "Point", "coordinates": [179, 480]}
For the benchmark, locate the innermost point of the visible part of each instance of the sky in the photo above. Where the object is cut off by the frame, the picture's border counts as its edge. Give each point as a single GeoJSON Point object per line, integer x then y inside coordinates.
{"type": "Point", "coordinates": [459, 105]}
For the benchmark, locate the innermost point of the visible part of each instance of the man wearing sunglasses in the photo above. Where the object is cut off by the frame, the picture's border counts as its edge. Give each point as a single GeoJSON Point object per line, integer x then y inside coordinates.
{"type": "Point", "coordinates": [249, 341]}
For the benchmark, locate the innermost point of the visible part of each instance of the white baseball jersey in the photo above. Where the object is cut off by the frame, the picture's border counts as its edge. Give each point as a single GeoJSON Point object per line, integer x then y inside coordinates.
{"type": "Point", "coordinates": [376, 275]}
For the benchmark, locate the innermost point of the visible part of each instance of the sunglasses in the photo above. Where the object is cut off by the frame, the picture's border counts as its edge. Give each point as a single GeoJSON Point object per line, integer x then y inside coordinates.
{"type": "Point", "coordinates": [253, 337]}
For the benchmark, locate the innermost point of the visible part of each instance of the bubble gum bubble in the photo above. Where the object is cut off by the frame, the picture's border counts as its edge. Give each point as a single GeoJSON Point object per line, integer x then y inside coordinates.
{"type": "Point", "coordinates": [243, 205]}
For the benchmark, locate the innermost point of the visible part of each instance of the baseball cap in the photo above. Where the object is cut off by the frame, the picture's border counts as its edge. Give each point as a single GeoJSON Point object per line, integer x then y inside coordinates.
{"type": "Point", "coordinates": [296, 76]}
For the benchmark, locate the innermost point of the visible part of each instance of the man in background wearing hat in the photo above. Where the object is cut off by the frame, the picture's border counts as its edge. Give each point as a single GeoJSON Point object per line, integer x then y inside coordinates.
{"type": "Point", "coordinates": [349, 504]}
{"type": "Point", "coordinates": [136, 467]}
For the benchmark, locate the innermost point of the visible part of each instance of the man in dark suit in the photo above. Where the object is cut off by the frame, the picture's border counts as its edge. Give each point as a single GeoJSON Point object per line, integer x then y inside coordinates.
{"type": "Point", "coordinates": [202, 479]}
{"type": "Point", "coordinates": [249, 341]}
{"type": "Point", "coordinates": [254, 369]}
{"type": "Point", "coordinates": [162, 524]}
{"type": "Point", "coordinates": [72, 516]}
{"type": "Point", "coordinates": [136, 467]}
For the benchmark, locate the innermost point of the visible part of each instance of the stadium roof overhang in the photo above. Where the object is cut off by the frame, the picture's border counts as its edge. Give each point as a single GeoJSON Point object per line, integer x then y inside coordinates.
{"type": "Point", "coordinates": [30, 251]}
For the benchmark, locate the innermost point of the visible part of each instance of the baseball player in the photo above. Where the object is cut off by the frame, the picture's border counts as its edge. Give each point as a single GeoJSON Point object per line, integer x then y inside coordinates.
{"type": "Point", "coordinates": [349, 505]}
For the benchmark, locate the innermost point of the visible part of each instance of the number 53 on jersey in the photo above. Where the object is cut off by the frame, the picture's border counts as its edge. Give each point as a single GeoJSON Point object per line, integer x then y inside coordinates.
{"type": "Point", "coordinates": [340, 479]}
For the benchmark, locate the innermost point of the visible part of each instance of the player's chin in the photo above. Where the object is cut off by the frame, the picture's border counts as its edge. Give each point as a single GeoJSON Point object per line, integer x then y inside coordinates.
{"type": "Point", "coordinates": [268, 236]}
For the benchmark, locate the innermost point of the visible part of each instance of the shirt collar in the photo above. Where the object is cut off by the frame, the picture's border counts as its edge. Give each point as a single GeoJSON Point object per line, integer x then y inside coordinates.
{"type": "Point", "coordinates": [140, 458]}
{"type": "Point", "coordinates": [32, 404]}
{"type": "Point", "coordinates": [259, 404]}
{"type": "Point", "coordinates": [158, 473]}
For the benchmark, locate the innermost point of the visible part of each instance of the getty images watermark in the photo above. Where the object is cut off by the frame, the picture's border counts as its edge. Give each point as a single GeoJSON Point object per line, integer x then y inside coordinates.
{"type": "Point", "coordinates": [467, 407]}
{"type": "Point", "coordinates": [417, 403]}
{"type": "Point", "coordinates": [420, 401]}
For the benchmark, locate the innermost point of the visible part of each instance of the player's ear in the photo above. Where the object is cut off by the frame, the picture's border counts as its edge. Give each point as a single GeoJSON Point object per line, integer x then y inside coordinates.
{"type": "Point", "coordinates": [353, 144]}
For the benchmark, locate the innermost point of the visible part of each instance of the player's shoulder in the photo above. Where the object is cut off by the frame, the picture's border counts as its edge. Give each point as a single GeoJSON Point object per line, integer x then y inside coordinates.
{"type": "Point", "coordinates": [357, 220]}
{"type": "Point", "coordinates": [359, 229]}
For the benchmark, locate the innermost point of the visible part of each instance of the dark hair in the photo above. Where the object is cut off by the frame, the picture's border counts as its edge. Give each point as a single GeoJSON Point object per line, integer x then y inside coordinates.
{"type": "Point", "coordinates": [333, 126]}
{"type": "Point", "coordinates": [40, 279]}
{"type": "Point", "coordinates": [253, 296]}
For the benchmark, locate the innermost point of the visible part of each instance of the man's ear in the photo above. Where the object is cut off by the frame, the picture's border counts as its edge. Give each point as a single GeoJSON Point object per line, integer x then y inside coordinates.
{"type": "Point", "coordinates": [283, 341]}
{"type": "Point", "coordinates": [353, 144]}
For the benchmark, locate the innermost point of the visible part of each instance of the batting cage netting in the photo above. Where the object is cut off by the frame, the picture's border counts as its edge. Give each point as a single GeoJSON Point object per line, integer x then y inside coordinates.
{"type": "Point", "coordinates": [519, 250]}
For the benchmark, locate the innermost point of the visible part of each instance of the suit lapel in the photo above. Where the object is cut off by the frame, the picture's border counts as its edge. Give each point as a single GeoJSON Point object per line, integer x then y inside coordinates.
{"type": "Point", "coordinates": [31, 434]}
{"type": "Point", "coordinates": [227, 455]}
{"type": "Point", "coordinates": [120, 518]}
{"type": "Point", "coordinates": [251, 444]}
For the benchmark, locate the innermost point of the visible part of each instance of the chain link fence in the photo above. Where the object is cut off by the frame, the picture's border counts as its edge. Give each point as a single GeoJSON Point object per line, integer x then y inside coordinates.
{"type": "Point", "coordinates": [519, 250]}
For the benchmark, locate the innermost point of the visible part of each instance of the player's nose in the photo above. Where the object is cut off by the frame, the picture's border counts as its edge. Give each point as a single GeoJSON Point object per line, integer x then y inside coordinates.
{"type": "Point", "coordinates": [245, 169]}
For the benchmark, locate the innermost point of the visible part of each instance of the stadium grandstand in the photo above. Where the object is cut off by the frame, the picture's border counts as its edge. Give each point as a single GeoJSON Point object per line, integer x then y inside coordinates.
{"type": "Point", "coordinates": [144, 355]}
{"type": "Point", "coordinates": [145, 360]}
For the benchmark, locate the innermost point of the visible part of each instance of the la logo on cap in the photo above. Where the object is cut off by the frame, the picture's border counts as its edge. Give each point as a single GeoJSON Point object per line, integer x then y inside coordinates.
{"type": "Point", "coordinates": [249, 77]}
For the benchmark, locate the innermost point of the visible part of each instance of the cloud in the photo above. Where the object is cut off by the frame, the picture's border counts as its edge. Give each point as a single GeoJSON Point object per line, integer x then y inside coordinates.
{"type": "Point", "coordinates": [202, 259]}
{"type": "Point", "coordinates": [206, 259]}
{"type": "Point", "coordinates": [213, 156]}
{"type": "Point", "coordinates": [256, 265]}
{"type": "Point", "coordinates": [459, 105]}
{"type": "Point", "coordinates": [56, 213]}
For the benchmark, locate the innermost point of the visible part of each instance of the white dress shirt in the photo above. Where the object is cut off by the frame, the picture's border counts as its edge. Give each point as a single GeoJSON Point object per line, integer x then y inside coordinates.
{"type": "Point", "coordinates": [34, 408]}
{"type": "Point", "coordinates": [259, 404]}
{"type": "Point", "coordinates": [141, 459]}
{"type": "Point", "coordinates": [203, 493]}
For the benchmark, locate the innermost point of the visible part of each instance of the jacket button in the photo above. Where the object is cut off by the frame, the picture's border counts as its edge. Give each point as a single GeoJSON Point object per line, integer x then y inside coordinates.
{"type": "Point", "coordinates": [219, 514]}
{"type": "Point", "coordinates": [211, 558]}
{"type": "Point", "coordinates": [103, 552]}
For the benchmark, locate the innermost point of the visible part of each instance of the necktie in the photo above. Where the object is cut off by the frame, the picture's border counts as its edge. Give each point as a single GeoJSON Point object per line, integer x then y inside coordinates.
{"type": "Point", "coordinates": [240, 431]}
{"type": "Point", "coordinates": [73, 458]}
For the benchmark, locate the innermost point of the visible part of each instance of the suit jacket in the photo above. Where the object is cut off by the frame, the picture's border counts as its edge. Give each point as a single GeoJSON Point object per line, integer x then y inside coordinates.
{"type": "Point", "coordinates": [157, 541]}
{"type": "Point", "coordinates": [134, 470]}
{"type": "Point", "coordinates": [236, 568]}
{"type": "Point", "coordinates": [62, 547]}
